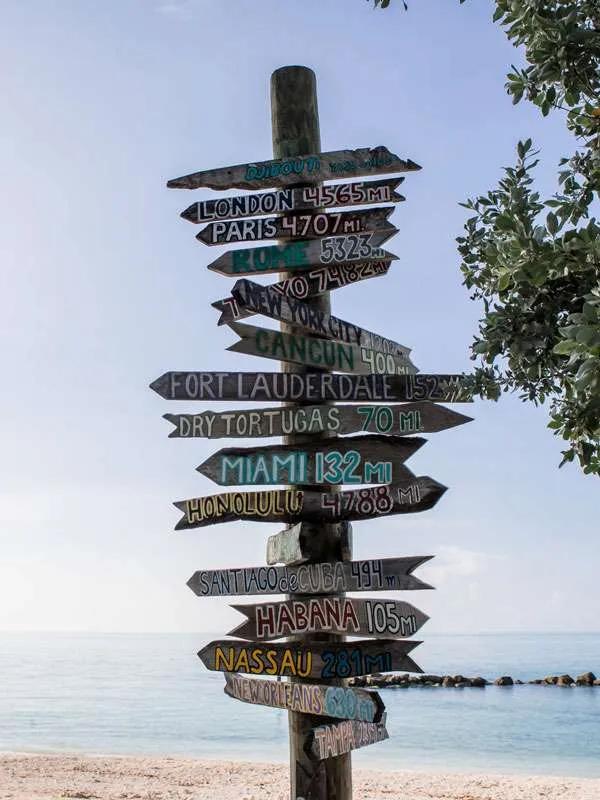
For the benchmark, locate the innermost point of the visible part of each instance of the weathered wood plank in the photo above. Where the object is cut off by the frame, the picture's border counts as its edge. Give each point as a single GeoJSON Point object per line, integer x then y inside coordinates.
{"type": "Point", "coordinates": [295, 505]}
{"type": "Point", "coordinates": [359, 460]}
{"type": "Point", "coordinates": [397, 419]}
{"type": "Point", "coordinates": [382, 574]}
{"type": "Point", "coordinates": [335, 195]}
{"type": "Point", "coordinates": [350, 616]}
{"type": "Point", "coordinates": [310, 387]}
{"type": "Point", "coordinates": [300, 256]}
{"type": "Point", "coordinates": [308, 284]}
{"type": "Point", "coordinates": [312, 168]}
{"type": "Point", "coordinates": [295, 545]}
{"type": "Point", "coordinates": [263, 300]}
{"type": "Point", "coordinates": [319, 660]}
{"type": "Point", "coordinates": [317, 353]}
{"type": "Point", "coordinates": [342, 702]}
{"type": "Point", "coordinates": [329, 741]}
{"type": "Point", "coordinates": [296, 226]}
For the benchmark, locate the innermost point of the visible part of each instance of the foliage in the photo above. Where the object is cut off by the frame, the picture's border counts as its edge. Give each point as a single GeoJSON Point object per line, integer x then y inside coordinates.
{"type": "Point", "coordinates": [535, 263]}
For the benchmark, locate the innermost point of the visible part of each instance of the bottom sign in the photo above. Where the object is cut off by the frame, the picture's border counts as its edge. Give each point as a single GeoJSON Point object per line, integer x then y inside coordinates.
{"type": "Point", "coordinates": [329, 741]}
{"type": "Point", "coordinates": [329, 701]}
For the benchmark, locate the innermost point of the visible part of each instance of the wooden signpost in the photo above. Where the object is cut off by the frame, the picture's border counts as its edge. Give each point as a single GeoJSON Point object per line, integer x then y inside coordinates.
{"type": "Point", "coordinates": [302, 256]}
{"type": "Point", "coordinates": [321, 661]}
{"type": "Point", "coordinates": [372, 458]}
{"type": "Point", "coordinates": [310, 387]}
{"type": "Point", "coordinates": [325, 361]}
{"type": "Point", "coordinates": [311, 168]}
{"type": "Point", "coordinates": [302, 198]}
{"type": "Point", "coordinates": [307, 284]}
{"type": "Point", "coordinates": [327, 701]}
{"type": "Point", "coordinates": [318, 353]}
{"type": "Point", "coordinates": [263, 300]}
{"type": "Point", "coordinates": [398, 420]}
{"type": "Point", "coordinates": [350, 616]}
{"type": "Point", "coordinates": [320, 578]}
{"type": "Point", "coordinates": [294, 505]}
{"type": "Point", "coordinates": [296, 226]}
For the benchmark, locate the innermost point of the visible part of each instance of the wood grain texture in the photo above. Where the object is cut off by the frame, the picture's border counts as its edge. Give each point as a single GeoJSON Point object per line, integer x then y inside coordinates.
{"type": "Point", "coordinates": [296, 505]}
{"type": "Point", "coordinates": [372, 575]}
{"type": "Point", "coordinates": [351, 616]}
{"type": "Point", "coordinates": [329, 701]}
{"type": "Point", "coordinates": [316, 660]}
{"type": "Point", "coordinates": [315, 167]}
{"type": "Point", "coordinates": [337, 195]}
{"type": "Point", "coordinates": [399, 419]}
{"type": "Point", "coordinates": [308, 284]}
{"type": "Point", "coordinates": [317, 353]}
{"type": "Point", "coordinates": [299, 256]}
{"type": "Point", "coordinates": [332, 740]}
{"type": "Point", "coordinates": [296, 545]}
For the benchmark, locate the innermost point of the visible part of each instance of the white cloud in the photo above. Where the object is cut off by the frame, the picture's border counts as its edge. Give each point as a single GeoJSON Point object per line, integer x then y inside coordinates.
{"type": "Point", "coordinates": [456, 562]}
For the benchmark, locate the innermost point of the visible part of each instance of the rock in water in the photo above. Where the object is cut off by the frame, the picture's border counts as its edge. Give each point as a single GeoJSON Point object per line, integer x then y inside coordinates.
{"type": "Point", "coordinates": [505, 680]}
{"type": "Point", "coordinates": [586, 679]}
{"type": "Point", "coordinates": [565, 680]}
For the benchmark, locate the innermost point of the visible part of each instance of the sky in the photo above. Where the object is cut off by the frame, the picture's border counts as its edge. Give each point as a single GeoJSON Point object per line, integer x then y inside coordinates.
{"type": "Point", "coordinates": [104, 288]}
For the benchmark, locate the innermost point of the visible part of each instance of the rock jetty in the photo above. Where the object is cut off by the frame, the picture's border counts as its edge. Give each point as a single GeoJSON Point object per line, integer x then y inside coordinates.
{"type": "Point", "coordinates": [405, 681]}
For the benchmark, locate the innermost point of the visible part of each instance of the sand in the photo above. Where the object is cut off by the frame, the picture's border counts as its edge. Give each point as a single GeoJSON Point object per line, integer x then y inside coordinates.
{"type": "Point", "coordinates": [58, 777]}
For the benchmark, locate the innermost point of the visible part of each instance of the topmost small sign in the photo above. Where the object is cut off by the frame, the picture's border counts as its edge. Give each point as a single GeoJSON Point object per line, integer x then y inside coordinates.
{"type": "Point", "coordinates": [301, 169]}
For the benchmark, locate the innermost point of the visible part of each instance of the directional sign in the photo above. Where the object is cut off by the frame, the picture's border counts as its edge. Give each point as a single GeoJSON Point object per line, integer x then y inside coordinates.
{"type": "Point", "coordinates": [308, 197]}
{"type": "Point", "coordinates": [347, 615]}
{"type": "Point", "coordinates": [294, 505]}
{"type": "Point", "coordinates": [300, 256]}
{"type": "Point", "coordinates": [328, 741]}
{"type": "Point", "coordinates": [317, 353]}
{"type": "Point", "coordinates": [308, 284]}
{"type": "Point", "coordinates": [397, 419]}
{"type": "Point", "coordinates": [389, 574]}
{"type": "Point", "coordinates": [312, 168]}
{"type": "Point", "coordinates": [342, 702]}
{"type": "Point", "coordinates": [296, 546]}
{"type": "Point", "coordinates": [352, 460]}
{"type": "Point", "coordinates": [326, 660]}
{"type": "Point", "coordinates": [310, 387]}
{"type": "Point", "coordinates": [263, 300]}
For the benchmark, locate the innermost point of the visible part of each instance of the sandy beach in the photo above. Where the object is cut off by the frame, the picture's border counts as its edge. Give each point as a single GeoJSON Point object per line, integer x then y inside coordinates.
{"type": "Point", "coordinates": [41, 777]}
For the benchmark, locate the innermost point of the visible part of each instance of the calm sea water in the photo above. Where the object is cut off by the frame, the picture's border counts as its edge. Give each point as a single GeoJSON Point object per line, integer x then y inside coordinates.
{"type": "Point", "coordinates": [149, 694]}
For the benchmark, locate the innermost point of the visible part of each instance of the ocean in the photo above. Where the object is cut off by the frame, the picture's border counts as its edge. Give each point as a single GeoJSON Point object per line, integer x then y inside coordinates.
{"type": "Point", "coordinates": [149, 694]}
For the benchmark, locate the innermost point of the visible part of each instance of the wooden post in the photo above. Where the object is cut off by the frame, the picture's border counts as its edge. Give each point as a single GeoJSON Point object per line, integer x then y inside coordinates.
{"type": "Point", "coordinates": [295, 126]}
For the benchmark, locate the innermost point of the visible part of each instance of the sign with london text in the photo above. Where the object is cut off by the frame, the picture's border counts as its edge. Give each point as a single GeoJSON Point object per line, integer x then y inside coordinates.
{"type": "Point", "coordinates": [301, 256]}
{"type": "Point", "coordinates": [317, 353]}
{"type": "Point", "coordinates": [307, 284]}
{"type": "Point", "coordinates": [311, 387]}
{"type": "Point", "coordinates": [308, 198]}
{"type": "Point", "coordinates": [342, 702]}
{"type": "Point", "coordinates": [372, 458]}
{"type": "Point", "coordinates": [398, 419]}
{"type": "Point", "coordinates": [350, 616]}
{"type": "Point", "coordinates": [311, 168]}
{"type": "Point", "coordinates": [329, 741]}
{"type": "Point", "coordinates": [321, 578]}
{"type": "Point", "coordinates": [296, 226]}
{"type": "Point", "coordinates": [327, 660]}
{"type": "Point", "coordinates": [263, 300]}
{"type": "Point", "coordinates": [296, 505]}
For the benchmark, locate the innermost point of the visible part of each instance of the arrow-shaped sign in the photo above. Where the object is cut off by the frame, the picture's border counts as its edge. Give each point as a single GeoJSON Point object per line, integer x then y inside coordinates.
{"type": "Point", "coordinates": [313, 168]}
{"type": "Point", "coordinates": [360, 193]}
{"type": "Point", "coordinates": [324, 661]}
{"type": "Point", "coordinates": [310, 387]}
{"type": "Point", "coordinates": [389, 574]}
{"type": "Point", "coordinates": [296, 226]}
{"type": "Point", "coordinates": [263, 300]}
{"type": "Point", "coordinates": [369, 459]}
{"type": "Point", "coordinates": [301, 256]}
{"type": "Point", "coordinates": [328, 701]}
{"type": "Point", "coordinates": [329, 741]}
{"type": "Point", "coordinates": [345, 615]}
{"type": "Point", "coordinates": [307, 284]}
{"type": "Point", "coordinates": [398, 419]}
{"type": "Point", "coordinates": [317, 353]}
